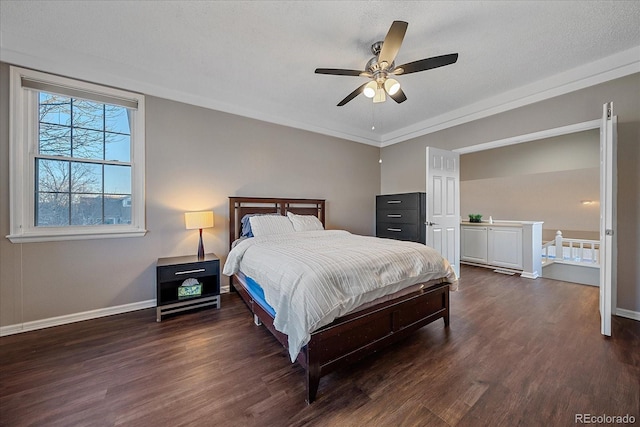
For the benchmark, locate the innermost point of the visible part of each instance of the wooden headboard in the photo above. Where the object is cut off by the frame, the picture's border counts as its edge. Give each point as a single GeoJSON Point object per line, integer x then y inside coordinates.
{"type": "Point", "coordinates": [241, 206]}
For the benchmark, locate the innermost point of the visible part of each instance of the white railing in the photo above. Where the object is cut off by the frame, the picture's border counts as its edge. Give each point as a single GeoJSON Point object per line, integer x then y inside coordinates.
{"type": "Point", "coordinates": [572, 251]}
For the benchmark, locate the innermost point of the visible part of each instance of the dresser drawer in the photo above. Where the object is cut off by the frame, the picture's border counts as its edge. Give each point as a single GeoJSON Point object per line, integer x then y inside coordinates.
{"type": "Point", "coordinates": [185, 271]}
{"type": "Point", "coordinates": [398, 216]}
{"type": "Point", "coordinates": [398, 231]}
{"type": "Point", "coordinates": [398, 201]}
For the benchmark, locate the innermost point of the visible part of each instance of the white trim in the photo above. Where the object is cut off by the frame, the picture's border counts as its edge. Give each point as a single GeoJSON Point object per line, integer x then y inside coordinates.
{"type": "Point", "coordinates": [629, 314]}
{"type": "Point", "coordinates": [549, 133]}
{"type": "Point", "coordinates": [126, 308]}
{"type": "Point", "coordinates": [59, 236]}
{"type": "Point", "coordinates": [88, 68]}
{"type": "Point", "coordinates": [603, 70]}
{"type": "Point", "coordinates": [576, 263]}
{"type": "Point", "coordinates": [21, 174]}
{"type": "Point", "coordinates": [75, 317]}
{"type": "Point", "coordinates": [10, 330]}
{"type": "Point", "coordinates": [492, 267]}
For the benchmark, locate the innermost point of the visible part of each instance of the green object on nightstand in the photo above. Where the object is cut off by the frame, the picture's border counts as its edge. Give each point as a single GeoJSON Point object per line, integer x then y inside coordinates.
{"type": "Point", "coordinates": [188, 291]}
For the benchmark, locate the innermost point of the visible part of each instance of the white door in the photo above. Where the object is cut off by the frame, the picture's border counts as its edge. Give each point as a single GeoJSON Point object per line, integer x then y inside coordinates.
{"type": "Point", "coordinates": [443, 204]}
{"type": "Point", "coordinates": [607, 215]}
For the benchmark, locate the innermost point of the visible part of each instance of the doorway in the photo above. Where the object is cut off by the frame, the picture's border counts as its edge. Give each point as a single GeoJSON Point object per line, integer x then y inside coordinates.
{"type": "Point", "coordinates": [606, 126]}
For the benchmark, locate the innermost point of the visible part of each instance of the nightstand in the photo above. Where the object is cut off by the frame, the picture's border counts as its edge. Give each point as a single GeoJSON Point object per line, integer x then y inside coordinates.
{"type": "Point", "coordinates": [175, 295]}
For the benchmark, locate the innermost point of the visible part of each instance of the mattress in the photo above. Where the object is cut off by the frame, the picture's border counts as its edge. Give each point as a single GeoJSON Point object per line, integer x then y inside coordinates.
{"type": "Point", "coordinates": [257, 294]}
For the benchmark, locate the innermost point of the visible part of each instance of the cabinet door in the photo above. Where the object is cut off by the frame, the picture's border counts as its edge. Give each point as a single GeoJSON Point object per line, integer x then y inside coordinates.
{"type": "Point", "coordinates": [505, 247]}
{"type": "Point", "coordinates": [474, 244]}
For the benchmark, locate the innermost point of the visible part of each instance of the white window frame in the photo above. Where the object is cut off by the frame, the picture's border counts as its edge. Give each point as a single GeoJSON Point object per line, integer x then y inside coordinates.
{"type": "Point", "coordinates": [23, 145]}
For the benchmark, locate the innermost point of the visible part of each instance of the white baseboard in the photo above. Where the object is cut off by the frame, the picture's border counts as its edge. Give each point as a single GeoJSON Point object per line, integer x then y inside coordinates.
{"type": "Point", "coordinates": [528, 275]}
{"type": "Point", "coordinates": [76, 317]}
{"type": "Point", "coordinates": [629, 314]}
{"type": "Point", "coordinates": [109, 311]}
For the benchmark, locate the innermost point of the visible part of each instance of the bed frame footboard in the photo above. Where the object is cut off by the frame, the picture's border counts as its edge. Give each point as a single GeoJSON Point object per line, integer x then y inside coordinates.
{"type": "Point", "coordinates": [357, 335]}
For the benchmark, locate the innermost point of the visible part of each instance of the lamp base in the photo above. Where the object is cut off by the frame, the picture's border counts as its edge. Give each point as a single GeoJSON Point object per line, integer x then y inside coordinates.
{"type": "Point", "coordinates": [201, 247]}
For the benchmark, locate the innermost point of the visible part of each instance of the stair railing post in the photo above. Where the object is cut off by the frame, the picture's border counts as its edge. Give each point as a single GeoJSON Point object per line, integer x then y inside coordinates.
{"type": "Point", "coordinates": [559, 250]}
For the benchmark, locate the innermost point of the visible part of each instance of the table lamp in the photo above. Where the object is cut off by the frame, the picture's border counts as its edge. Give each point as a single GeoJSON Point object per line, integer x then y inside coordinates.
{"type": "Point", "coordinates": [199, 220]}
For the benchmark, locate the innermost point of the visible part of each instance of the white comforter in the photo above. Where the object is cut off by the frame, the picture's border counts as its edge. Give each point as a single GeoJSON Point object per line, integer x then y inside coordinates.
{"type": "Point", "coordinates": [312, 277]}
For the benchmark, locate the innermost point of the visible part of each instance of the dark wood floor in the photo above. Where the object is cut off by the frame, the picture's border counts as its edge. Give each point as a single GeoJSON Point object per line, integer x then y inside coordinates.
{"type": "Point", "coordinates": [518, 352]}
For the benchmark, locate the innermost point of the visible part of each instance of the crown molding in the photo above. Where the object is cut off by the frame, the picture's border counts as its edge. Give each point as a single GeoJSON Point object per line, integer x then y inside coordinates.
{"type": "Point", "coordinates": [603, 70]}
{"type": "Point", "coordinates": [58, 60]}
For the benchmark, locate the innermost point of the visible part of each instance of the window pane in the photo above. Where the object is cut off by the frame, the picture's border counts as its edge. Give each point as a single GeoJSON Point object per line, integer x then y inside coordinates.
{"type": "Point", "coordinates": [88, 144]}
{"type": "Point", "coordinates": [117, 209]}
{"type": "Point", "coordinates": [117, 119]}
{"type": "Point", "coordinates": [86, 178]}
{"type": "Point", "coordinates": [88, 114]}
{"type": "Point", "coordinates": [54, 140]}
{"type": "Point", "coordinates": [117, 147]}
{"type": "Point", "coordinates": [117, 179]}
{"type": "Point", "coordinates": [52, 210]}
{"type": "Point", "coordinates": [86, 209]}
{"type": "Point", "coordinates": [54, 109]}
{"type": "Point", "coordinates": [53, 176]}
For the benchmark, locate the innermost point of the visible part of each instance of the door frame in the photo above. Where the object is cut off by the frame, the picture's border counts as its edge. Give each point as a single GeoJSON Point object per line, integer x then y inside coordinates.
{"type": "Point", "coordinates": [550, 133]}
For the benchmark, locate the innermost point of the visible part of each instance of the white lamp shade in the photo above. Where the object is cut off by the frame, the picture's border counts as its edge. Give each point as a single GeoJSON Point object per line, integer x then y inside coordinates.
{"type": "Point", "coordinates": [370, 89]}
{"type": "Point", "coordinates": [196, 220]}
{"type": "Point", "coordinates": [392, 86]}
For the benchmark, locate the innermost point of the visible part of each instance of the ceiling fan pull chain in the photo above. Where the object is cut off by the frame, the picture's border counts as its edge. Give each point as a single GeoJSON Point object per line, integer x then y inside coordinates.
{"type": "Point", "coordinates": [373, 117]}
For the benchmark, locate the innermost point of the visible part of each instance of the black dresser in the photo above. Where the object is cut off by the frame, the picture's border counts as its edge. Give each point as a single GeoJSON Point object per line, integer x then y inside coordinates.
{"type": "Point", "coordinates": [401, 216]}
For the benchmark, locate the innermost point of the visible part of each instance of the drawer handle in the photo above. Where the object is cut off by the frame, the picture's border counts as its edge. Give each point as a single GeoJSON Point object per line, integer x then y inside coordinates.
{"type": "Point", "coordinates": [199, 270]}
{"type": "Point", "coordinates": [394, 216]}
{"type": "Point", "coordinates": [394, 229]}
{"type": "Point", "coordinates": [394, 201]}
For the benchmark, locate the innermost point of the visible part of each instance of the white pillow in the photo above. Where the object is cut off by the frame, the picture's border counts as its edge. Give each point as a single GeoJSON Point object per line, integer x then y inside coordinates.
{"type": "Point", "coordinates": [305, 222]}
{"type": "Point", "coordinates": [266, 225]}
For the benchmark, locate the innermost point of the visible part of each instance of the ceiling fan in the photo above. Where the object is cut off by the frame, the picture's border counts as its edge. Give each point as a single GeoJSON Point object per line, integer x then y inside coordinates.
{"type": "Point", "coordinates": [381, 67]}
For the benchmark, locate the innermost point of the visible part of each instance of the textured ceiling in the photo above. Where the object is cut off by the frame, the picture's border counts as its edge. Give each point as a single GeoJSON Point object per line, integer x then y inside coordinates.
{"type": "Point", "coordinates": [257, 58]}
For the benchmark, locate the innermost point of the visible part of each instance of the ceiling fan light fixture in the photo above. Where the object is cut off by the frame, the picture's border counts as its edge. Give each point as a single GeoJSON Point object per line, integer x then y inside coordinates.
{"type": "Point", "coordinates": [392, 86]}
{"type": "Point", "coordinates": [380, 96]}
{"type": "Point", "coordinates": [370, 89]}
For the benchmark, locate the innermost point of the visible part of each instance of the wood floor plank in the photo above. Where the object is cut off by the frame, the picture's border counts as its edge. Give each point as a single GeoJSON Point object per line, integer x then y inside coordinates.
{"type": "Point", "coordinates": [517, 352]}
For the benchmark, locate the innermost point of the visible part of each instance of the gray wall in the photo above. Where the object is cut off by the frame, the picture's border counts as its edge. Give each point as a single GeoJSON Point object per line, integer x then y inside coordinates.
{"type": "Point", "coordinates": [543, 180]}
{"type": "Point", "coordinates": [195, 159]}
{"type": "Point", "coordinates": [403, 166]}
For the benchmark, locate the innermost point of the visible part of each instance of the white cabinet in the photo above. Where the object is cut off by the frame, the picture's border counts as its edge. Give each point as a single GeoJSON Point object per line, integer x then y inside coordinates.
{"type": "Point", "coordinates": [474, 244]}
{"type": "Point", "coordinates": [505, 247]}
{"type": "Point", "coordinates": [510, 244]}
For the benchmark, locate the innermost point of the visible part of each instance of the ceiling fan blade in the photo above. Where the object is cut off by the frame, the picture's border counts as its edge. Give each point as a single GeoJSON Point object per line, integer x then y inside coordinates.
{"type": "Point", "coordinates": [352, 95]}
{"type": "Point", "coordinates": [399, 96]}
{"type": "Point", "coordinates": [339, 72]}
{"type": "Point", "coordinates": [392, 42]}
{"type": "Point", "coordinates": [426, 64]}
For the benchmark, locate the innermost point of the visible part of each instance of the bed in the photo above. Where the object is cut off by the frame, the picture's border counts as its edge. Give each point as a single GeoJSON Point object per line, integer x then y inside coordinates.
{"type": "Point", "coordinates": [350, 336]}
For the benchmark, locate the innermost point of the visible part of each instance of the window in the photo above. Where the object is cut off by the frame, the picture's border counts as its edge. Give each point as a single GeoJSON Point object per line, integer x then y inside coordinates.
{"type": "Point", "coordinates": [77, 159]}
